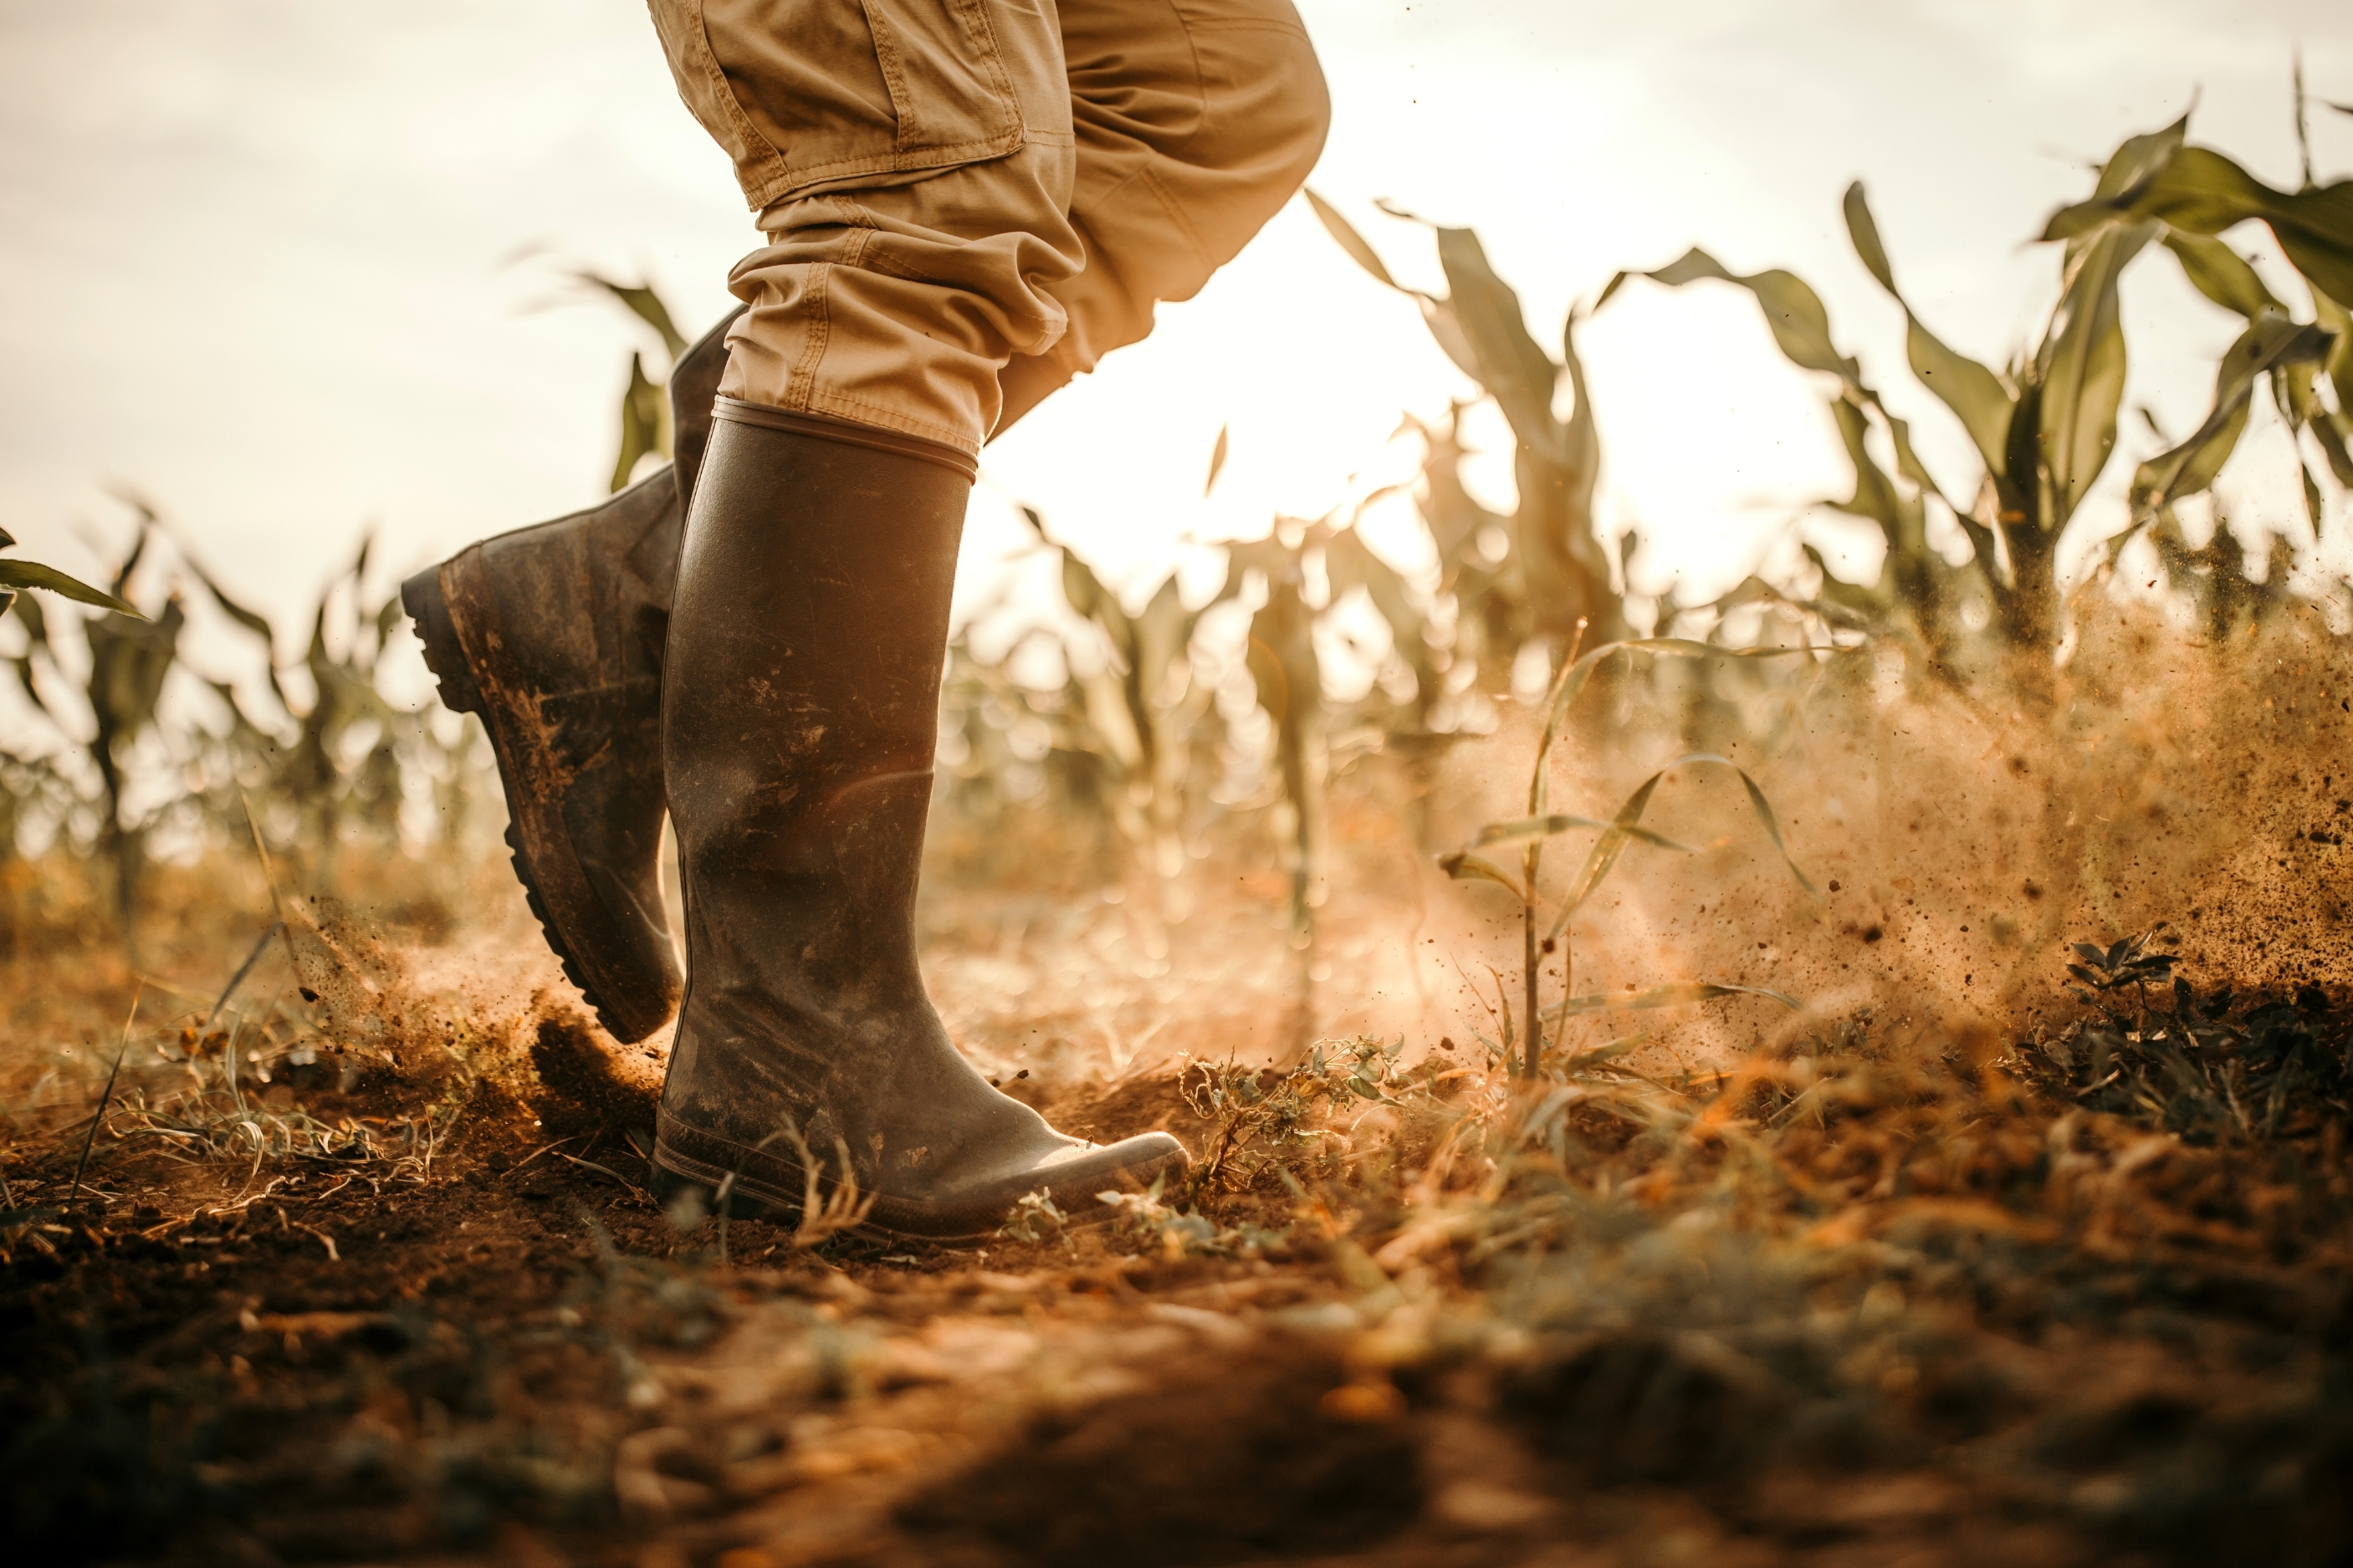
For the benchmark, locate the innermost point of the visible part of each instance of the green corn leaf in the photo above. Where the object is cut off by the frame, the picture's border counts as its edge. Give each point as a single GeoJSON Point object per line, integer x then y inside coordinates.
{"type": "Point", "coordinates": [27, 610]}
{"type": "Point", "coordinates": [2339, 366]}
{"type": "Point", "coordinates": [1799, 323]}
{"type": "Point", "coordinates": [1446, 330]}
{"type": "Point", "coordinates": [16, 574]}
{"type": "Point", "coordinates": [1603, 858]}
{"type": "Point", "coordinates": [641, 422]}
{"type": "Point", "coordinates": [2329, 430]}
{"type": "Point", "coordinates": [1341, 230]}
{"type": "Point", "coordinates": [1974, 393]}
{"type": "Point", "coordinates": [2272, 342]}
{"type": "Point", "coordinates": [2134, 165]}
{"type": "Point", "coordinates": [1514, 369]}
{"type": "Point", "coordinates": [2200, 192]}
{"type": "Point", "coordinates": [2080, 368]}
{"type": "Point", "coordinates": [1439, 315]}
{"type": "Point", "coordinates": [2221, 274]}
{"type": "Point", "coordinates": [1875, 495]}
{"type": "Point", "coordinates": [1561, 821]}
{"type": "Point", "coordinates": [642, 302]}
{"type": "Point", "coordinates": [252, 620]}
{"type": "Point", "coordinates": [1468, 867]}
{"type": "Point", "coordinates": [1665, 996]}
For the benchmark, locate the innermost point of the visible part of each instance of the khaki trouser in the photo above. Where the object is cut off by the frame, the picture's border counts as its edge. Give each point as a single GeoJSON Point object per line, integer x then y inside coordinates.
{"type": "Point", "coordinates": [969, 201]}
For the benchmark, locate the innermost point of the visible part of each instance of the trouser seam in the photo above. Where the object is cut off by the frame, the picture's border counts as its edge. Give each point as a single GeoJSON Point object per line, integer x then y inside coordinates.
{"type": "Point", "coordinates": [802, 387]}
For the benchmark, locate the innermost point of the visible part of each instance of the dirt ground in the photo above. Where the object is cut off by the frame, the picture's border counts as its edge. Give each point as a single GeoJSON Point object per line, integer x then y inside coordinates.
{"type": "Point", "coordinates": [1880, 1290]}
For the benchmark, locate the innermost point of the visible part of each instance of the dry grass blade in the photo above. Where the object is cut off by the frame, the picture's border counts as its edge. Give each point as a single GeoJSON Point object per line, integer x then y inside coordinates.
{"type": "Point", "coordinates": [1564, 822]}
{"type": "Point", "coordinates": [1666, 996]}
{"type": "Point", "coordinates": [106, 1096]}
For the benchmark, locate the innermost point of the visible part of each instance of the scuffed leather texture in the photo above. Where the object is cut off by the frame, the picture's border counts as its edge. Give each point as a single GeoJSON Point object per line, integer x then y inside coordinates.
{"type": "Point", "coordinates": [561, 630]}
{"type": "Point", "coordinates": [801, 693]}
{"type": "Point", "coordinates": [554, 634]}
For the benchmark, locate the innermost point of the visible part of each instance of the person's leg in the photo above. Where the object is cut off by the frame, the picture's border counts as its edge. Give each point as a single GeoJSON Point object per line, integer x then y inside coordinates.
{"type": "Point", "coordinates": [552, 635]}
{"type": "Point", "coordinates": [1196, 121]}
{"type": "Point", "coordinates": [800, 689]}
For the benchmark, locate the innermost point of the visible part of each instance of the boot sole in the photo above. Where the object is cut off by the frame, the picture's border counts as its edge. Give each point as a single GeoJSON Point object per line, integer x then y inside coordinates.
{"type": "Point", "coordinates": [888, 1219]}
{"type": "Point", "coordinates": [456, 620]}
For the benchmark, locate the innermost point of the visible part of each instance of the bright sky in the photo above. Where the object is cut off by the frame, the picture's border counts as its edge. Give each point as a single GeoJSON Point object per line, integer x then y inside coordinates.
{"type": "Point", "coordinates": [257, 257]}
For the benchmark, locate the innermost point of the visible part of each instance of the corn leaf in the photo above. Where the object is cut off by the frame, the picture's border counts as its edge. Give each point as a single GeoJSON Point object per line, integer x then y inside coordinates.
{"type": "Point", "coordinates": [2199, 191]}
{"type": "Point", "coordinates": [642, 302]}
{"type": "Point", "coordinates": [1216, 460]}
{"type": "Point", "coordinates": [1603, 856]}
{"type": "Point", "coordinates": [1341, 230]}
{"type": "Point", "coordinates": [1799, 323]}
{"type": "Point", "coordinates": [1468, 867]}
{"type": "Point", "coordinates": [2080, 368]}
{"type": "Point", "coordinates": [2138, 160]}
{"type": "Point", "coordinates": [1439, 315]}
{"type": "Point", "coordinates": [1560, 822]}
{"type": "Point", "coordinates": [2221, 274]}
{"type": "Point", "coordinates": [33, 574]}
{"type": "Point", "coordinates": [1974, 393]}
{"type": "Point", "coordinates": [641, 420]}
{"type": "Point", "coordinates": [2272, 342]}
{"type": "Point", "coordinates": [1514, 370]}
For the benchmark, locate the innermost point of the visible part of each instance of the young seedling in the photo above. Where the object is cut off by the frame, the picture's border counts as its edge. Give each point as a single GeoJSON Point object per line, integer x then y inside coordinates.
{"type": "Point", "coordinates": [1619, 830]}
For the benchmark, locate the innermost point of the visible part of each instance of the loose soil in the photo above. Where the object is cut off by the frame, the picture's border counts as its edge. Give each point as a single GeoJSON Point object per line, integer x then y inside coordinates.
{"type": "Point", "coordinates": [1881, 1290]}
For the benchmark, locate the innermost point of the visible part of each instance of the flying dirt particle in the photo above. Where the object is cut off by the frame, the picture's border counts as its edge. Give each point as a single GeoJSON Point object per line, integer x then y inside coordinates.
{"type": "Point", "coordinates": [1834, 886]}
{"type": "Point", "coordinates": [1445, 1042]}
{"type": "Point", "coordinates": [2034, 889]}
{"type": "Point", "coordinates": [1872, 933]}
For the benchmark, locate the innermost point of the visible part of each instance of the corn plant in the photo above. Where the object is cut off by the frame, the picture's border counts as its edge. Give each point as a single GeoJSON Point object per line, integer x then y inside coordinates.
{"type": "Point", "coordinates": [1621, 829]}
{"type": "Point", "coordinates": [308, 767]}
{"type": "Point", "coordinates": [1559, 574]}
{"type": "Point", "coordinates": [2045, 424]}
{"type": "Point", "coordinates": [644, 407]}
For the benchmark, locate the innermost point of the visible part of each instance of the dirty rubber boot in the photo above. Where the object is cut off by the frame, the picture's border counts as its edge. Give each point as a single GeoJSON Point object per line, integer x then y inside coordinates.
{"type": "Point", "coordinates": [800, 706]}
{"type": "Point", "coordinates": [553, 635]}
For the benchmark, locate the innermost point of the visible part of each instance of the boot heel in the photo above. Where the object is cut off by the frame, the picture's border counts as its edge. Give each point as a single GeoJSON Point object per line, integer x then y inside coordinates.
{"type": "Point", "coordinates": [429, 607]}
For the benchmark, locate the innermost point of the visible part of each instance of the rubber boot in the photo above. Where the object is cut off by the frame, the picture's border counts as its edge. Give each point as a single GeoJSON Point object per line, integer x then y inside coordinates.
{"type": "Point", "coordinates": [554, 634]}
{"type": "Point", "coordinates": [800, 700]}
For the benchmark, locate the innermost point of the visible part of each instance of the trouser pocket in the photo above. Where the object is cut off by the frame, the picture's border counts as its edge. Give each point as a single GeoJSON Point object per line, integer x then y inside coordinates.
{"type": "Point", "coordinates": [814, 95]}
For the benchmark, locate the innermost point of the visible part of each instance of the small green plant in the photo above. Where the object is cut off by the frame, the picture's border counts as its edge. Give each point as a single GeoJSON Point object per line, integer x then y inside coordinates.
{"type": "Point", "coordinates": [1621, 829]}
